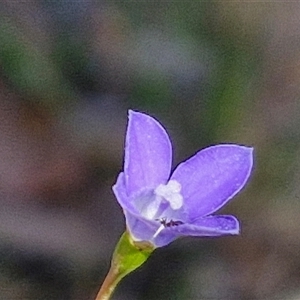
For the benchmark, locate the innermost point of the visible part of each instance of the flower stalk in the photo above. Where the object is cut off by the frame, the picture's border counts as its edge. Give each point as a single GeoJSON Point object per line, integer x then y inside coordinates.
{"type": "Point", "coordinates": [128, 256]}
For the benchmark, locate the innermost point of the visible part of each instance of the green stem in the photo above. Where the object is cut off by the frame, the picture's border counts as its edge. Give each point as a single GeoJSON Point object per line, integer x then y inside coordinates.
{"type": "Point", "coordinates": [127, 256]}
{"type": "Point", "coordinates": [109, 285]}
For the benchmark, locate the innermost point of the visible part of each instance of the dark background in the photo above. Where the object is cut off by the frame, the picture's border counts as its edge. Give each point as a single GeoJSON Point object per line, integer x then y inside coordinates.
{"type": "Point", "coordinates": [211, 72]}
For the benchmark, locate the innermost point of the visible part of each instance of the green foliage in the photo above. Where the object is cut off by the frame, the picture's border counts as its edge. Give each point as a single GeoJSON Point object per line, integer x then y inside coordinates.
{"type": "Point", "coordinates": [29, 70]}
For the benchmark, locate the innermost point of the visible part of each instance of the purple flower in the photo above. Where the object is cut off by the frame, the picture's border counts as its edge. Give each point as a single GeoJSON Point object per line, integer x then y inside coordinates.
{"type": "Point", "coordinates": [159, 206]}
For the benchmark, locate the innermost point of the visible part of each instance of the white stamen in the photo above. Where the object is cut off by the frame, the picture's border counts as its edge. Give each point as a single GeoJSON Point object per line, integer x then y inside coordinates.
{"type": "Point", "coordinates": [160, 228]}
{"type": "Point", "coordinates": [171, 193]}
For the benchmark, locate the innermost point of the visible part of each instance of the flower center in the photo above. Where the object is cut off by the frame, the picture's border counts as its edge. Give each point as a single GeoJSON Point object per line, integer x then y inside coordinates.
{"type": "Point", "coordinates": [164, 200]}
{"type": "Point", "coordinates": [171, 193]}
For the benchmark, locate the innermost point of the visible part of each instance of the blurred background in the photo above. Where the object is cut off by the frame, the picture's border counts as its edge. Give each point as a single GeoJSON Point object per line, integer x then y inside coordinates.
{"type": "Point", "coordinates": [211, 72]}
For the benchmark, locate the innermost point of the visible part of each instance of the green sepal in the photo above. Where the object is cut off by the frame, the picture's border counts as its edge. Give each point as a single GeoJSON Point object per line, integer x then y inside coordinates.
{"type": "Point", "coordinates": [129, 255]}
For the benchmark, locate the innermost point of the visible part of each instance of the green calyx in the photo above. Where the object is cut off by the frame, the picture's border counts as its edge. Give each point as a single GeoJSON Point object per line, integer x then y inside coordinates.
{"type": "Point", "coordinates": [129, 255]}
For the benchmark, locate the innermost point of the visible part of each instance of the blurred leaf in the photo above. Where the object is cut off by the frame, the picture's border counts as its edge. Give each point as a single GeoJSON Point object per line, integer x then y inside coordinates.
{"type": "Point", "coordinates": [29, 70]}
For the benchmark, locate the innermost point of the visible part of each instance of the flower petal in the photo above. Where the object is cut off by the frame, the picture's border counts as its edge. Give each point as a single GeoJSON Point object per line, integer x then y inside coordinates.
{"type": "Point", "coordinates": [148, 153]}
{"type": "Point", "coordinates": [212, 177]}
{"type": "Point", "coordinates": [140, 228]}
{"type": "Point", "coordinates": [209, 226]}
{"type": "Point", "coordinates": [119, 190]}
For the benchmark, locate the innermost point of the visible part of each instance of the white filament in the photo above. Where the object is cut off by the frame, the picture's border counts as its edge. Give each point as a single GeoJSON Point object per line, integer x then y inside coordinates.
{"type": "Point", "coordinates": [160, 228]}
